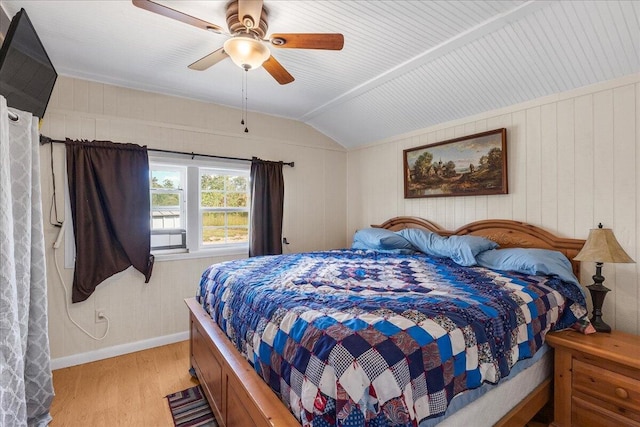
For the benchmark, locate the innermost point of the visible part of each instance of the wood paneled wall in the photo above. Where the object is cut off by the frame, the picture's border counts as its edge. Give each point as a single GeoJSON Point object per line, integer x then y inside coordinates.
{"type": "Point", "coordinates": [573, 162]}
{"type": "Point", "coordinates": [315, 198]}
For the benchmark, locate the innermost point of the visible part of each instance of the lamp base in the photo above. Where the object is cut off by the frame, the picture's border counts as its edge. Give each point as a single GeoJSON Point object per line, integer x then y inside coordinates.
{"type": "Point", "coordinates": [598, 293]}
{"type": "Point", "coordinates": [599, 325]}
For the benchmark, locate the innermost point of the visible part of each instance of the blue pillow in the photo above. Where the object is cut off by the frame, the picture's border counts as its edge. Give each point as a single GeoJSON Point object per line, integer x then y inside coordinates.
{"type": "Point", "coordinates": [461, 249]}
{"type": "Point", "coordinates": [529, 261]}
{"type": "Point", "coordinates": [425, 241]}
{"type": "Point", "coordinates": [379, 238]}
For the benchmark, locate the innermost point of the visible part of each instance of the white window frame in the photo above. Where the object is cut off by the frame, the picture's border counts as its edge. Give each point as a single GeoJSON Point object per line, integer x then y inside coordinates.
{"type": "Point", "coordinates": [193, 213]}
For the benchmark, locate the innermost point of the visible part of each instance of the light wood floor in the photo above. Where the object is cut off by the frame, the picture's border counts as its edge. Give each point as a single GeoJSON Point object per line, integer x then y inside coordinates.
{"type": "Point", "coordinates": [127, 390]}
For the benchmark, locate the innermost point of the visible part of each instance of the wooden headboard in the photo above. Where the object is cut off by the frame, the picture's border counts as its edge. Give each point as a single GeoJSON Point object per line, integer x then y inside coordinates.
{"type": "Point", "coordinates": [507, 233]}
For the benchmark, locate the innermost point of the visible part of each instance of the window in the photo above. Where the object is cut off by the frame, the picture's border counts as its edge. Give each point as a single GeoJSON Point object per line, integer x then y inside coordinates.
{"type": "Point", "coordinates": [168, 222]}
{"type": "Point", "coordinates": [199, 206]}
{"type": "Point", "coordinates": [224, 207]}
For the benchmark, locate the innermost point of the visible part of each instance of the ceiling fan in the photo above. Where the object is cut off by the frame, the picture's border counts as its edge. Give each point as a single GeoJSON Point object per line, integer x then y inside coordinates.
{"type": "Point", "coordinates": [247, 45]}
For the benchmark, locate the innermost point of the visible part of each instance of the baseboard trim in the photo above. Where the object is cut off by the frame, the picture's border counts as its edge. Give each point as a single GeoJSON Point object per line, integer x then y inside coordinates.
{"type": "Point", "coordinates": [117, 350]}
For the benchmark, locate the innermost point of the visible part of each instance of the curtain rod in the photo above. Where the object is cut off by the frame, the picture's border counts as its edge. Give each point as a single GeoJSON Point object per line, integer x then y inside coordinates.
{"type": "Point", "coordinates": [46, 140]}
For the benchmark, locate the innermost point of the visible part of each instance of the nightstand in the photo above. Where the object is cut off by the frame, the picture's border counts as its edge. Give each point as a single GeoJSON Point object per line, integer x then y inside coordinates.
{"type": "Point", "coordinates": [596, 379]}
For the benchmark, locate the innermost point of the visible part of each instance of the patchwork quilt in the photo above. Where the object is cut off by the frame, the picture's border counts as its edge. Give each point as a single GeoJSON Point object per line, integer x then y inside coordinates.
{"type": "Point", "coordinates": [363, 338]}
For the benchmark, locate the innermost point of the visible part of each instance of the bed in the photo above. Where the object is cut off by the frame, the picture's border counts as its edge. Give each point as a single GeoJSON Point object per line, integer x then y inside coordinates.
{"type": "Point", "coordinates": [240, 397]}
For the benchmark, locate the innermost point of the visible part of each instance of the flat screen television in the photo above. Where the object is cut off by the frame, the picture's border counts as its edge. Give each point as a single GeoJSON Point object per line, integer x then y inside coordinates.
{"type": "Point", "coordinates": [27, 75]}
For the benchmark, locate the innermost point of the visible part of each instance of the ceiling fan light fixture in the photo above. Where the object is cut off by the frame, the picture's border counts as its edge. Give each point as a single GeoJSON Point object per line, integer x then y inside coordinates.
{"type": "Point", "coordinates": [247, 53]}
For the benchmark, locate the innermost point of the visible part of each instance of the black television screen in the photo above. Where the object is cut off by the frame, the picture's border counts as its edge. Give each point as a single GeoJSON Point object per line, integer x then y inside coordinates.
{"type": "Point", "coordinates": [27, 75]}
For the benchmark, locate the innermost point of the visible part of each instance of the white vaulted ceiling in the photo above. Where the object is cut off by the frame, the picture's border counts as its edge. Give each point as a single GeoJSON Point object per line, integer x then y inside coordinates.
{"type": "Point", "coordinates": [405, 65]}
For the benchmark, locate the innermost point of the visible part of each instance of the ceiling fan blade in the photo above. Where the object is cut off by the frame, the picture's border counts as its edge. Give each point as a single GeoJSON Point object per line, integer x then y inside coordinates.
{"type": "Point", "coordinates": [251, 9]}
{"type": "Point", "coordinates": [308, 41]}
{"type": "Point", "coordinates": [154, 7]}
{"type": "Point", "coordinates": [277, 71]}
{"type": "Point", "coordinates": [207, 61]}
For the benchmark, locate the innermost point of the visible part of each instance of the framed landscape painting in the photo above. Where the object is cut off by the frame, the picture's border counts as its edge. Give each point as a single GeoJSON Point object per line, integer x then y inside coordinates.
{"type": "Point", "coordinates": [472, 165]}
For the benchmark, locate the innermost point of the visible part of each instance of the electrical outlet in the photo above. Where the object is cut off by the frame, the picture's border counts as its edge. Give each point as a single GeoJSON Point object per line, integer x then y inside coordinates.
{"type": "Point", "coordinates": [100, 316]}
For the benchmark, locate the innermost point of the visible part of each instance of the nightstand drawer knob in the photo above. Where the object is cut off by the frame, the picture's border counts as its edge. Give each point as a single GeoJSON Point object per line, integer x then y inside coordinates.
{"type": "Point", "coordinates": [622, 393]}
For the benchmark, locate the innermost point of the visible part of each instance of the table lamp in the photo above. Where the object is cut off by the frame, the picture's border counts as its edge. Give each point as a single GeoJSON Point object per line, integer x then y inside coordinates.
{"type": "Point", "coordinates": [601, 246]}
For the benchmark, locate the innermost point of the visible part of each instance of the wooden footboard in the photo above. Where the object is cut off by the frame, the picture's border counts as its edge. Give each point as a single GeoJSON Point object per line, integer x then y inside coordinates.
{"type": "Point", "coordinates": [238, 396]}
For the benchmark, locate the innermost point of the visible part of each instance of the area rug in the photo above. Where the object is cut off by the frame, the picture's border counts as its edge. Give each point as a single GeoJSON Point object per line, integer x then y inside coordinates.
{"type": "Point", "coordinates": [190, 408]}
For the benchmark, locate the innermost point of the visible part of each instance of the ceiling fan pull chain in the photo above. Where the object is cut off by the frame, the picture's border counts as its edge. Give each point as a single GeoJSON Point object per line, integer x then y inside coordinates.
{"type": "Point", "coordinates": [242, 99]}
{"type": "Point", "coordinates": [246, 98]}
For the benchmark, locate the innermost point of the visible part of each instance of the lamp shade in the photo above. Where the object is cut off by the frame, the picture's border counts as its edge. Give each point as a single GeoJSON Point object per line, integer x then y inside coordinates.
{"type": "Point", "coordinates": [602, 246]}
{"type": "Point", "coordinates": [246, 52]}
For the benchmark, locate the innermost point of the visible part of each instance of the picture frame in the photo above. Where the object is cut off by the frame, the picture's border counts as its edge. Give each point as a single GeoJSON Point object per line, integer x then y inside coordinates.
{"type": "Point", "coordinates": [472, 165]}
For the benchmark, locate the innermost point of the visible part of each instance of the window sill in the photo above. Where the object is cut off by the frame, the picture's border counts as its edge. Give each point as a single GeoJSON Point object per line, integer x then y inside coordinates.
{"type": "Point", "coordinates": [205, 253]}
